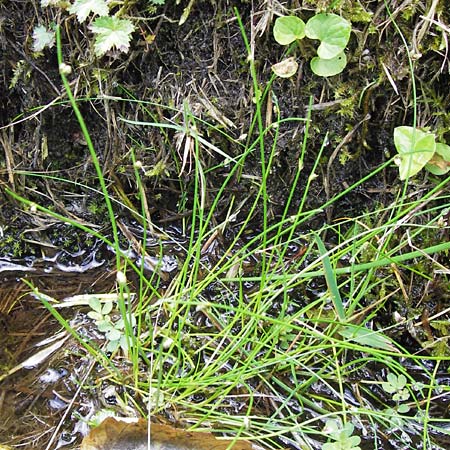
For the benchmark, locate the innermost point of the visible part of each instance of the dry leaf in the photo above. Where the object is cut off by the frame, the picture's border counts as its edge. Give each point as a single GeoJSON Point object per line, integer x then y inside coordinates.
{"type": "Point", "coordinates": [285, 68]}
{"type": "Point", "coordinates": [113, 434]}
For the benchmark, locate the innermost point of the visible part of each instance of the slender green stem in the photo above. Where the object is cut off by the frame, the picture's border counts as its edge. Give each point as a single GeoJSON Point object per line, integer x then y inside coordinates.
{"type": "Point", "coordinates": [90, 145]}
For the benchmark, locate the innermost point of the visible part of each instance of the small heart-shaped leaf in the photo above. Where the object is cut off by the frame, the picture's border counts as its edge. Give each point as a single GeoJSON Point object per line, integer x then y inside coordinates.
{"type": "Point", "coordinates": [332, 30]}
{"type": "Point", "coordinates": [287, 29]}
{"type": "Point", "coordinates": [415, 148]}
{"type": "Point", "coordinates": [329, 67]}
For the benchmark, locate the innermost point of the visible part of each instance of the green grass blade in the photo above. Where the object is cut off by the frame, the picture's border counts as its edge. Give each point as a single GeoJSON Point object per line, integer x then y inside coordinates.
{"type": "Point", "coordinates": [330, 277]}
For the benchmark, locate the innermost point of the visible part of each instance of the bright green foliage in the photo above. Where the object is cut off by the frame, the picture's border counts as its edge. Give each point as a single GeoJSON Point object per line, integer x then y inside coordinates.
{"type": "Point", "coordinates": [396, 385]}
{"type": "Point", "coordinates": [42, 38]}
{"type": "Point", "coordinates": [394, 416]}
{"type": "Point", "coordinates": [99, 310]}
{"type": "Point", "coordinates": [366, 337]}
{"type": "Point", "coordinates": [83, 8]}
{"type": "Point", "coordinates": [329, 67]}
{"type": "Point", "coordinates": [416, 148]}
{"type": "Point", "coordinates": [114, 331]}
{"type": "Point", "coordinates": [288, 29]}
{"type": "Point", "coordinates": [111, 32]}
{"type": "Point", "coordinates": [330, 277]}
{"type": "Point", "coordinates": [341, 435]}
{"type": "Point", "coordinates": [332, 30]}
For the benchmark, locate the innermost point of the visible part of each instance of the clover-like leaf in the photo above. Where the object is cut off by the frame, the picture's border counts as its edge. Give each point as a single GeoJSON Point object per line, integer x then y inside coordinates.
{"type": "Point", "coordinates": [83, 8]}
{"type": "Point", "coordinates": [415, 148]}
{"type": "Point", "coordinates": [285, 68]}
{"type": "Point", "coordinates": [287, 29]}
{"type": "Point", "coordinates": [329, 67]}
{"type": "Point", "coordinates": [95, 304]}
{"type": "Point", "coordinates": [107, 307]}
{"type": "Point", "coordinates": [105, 325]}
{"type": "Point", "coordinates": [42, 38]}
{"type": "Point", "coordinates": [111, 32]}
{"type": "Point", "coordinates": [113, 334]}
{"type": "Point", "coordinates": [394, 383]}
{"type": "Point", "coordinates": [113, 345]}
{"type": "Point", "coordinates": [332, 30]}
{"type": "Point", "coordinates": [342, 435]}
{"type": "Point", "coordinates": [94, 315]}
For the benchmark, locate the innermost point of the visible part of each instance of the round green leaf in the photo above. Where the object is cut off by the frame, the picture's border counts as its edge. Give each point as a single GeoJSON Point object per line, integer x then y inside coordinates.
{"type": "Point", "coordinates": [112, 346]}
{"type": "Point", "coordinates": [285, 68]}
{"type": "Point", "coordinates": [113, 334]}
{"type": "Point", "coordinates": [403, 409]}
{"type": "Point", "coordinates": [95, 304]}
{"type": "Point", "coordinates": [94, 315]}
{"type": "Point", "coordinates": [107, 308]}
{"type": "Point", "coordinates": [104, 326]}
{"type": "Point", "coordinates": [332, 30]}
{"type": "Point", "coordinates": [329, 67]}
{"type": "Point", "coordinates": [415, 148]}
{"type": "Point", "coordinates": [287, 29]}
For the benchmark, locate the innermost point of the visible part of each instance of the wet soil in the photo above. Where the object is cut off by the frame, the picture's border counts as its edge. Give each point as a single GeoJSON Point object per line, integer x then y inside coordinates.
{"type": "Point", "coordinates": [201, 67]}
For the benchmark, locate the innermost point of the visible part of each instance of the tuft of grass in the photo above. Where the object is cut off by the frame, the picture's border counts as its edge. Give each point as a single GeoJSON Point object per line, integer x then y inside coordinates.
{"type": "Point", "coordinates": [261, 343]}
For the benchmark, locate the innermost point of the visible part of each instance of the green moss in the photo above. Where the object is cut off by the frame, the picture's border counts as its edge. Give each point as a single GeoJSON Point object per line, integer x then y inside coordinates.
{"type": "Point", "coordinates": [97, 208]}
{"type": "Point", "coordinates": [357, 13]}
{"type": "Point", "coordinates": [347, 93]}
{"type": "Point", "coordinates": [17, 249]}
{"type": "Point", "coordinates": [409, 11]}
{"type": "Point", "coordinates": [345, 155]}
{"type": "Point", "coordinates": [12, 244]}
{"type": "Point", "coordinates": [350, 9]}
{"type": "Point", "coordinates": [347, 107]}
